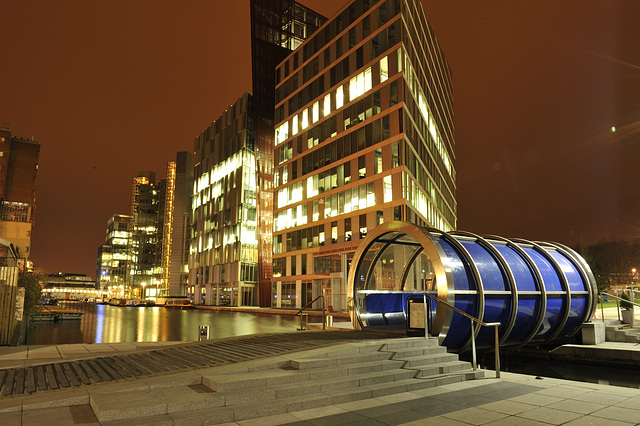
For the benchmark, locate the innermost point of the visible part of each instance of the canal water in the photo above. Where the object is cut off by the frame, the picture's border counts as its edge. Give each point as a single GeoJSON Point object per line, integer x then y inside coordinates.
{"type": "Point", "coordinates": [113, 324]}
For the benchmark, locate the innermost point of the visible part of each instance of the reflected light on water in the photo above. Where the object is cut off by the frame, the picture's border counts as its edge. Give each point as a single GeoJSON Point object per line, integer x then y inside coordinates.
{"type": "Point", "coordinates": [111, 324]}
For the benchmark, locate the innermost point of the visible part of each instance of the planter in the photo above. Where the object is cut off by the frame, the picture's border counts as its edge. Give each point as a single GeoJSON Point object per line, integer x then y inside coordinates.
{"type": "Point", "coordinates": [627, 316]}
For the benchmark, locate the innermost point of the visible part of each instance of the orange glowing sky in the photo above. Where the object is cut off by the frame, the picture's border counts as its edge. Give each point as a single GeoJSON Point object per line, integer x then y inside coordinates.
{"type": "Point", "coordinates": [110, 88]}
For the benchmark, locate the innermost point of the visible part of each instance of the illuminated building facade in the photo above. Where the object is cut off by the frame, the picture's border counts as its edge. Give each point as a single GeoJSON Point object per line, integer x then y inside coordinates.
{"type": "Point", "coordinates": [363, 135]}
{"type": "Point", "coordinates": [144, 266]}
{"type": "Point", "coordinates": [113, 256]}
{"type": "Point", "coordinates": [223, 255]}
{"type": "Point", "coordinates": [174, 223]}
{"type": "Point", "coordinates": [277, 28]}
{"type": "Point", "coordinates": [18, 172]}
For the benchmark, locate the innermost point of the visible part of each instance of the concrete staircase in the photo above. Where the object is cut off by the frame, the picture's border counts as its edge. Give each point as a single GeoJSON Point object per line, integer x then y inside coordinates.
{"type": "Point", "coordinates": [311, 379]}
{"type": "Point", "coordinates": [615, 331]}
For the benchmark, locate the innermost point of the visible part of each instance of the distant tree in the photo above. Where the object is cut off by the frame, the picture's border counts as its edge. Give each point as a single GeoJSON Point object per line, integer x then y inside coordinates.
{"type": "Point", "coordinates": [33, 291]}
{"type": "Point", "coordinates": [595, 270]}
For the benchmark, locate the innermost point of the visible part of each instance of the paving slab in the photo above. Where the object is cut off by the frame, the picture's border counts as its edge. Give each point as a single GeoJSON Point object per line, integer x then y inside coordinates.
{"type": "Point", "coordinates": [46, 352]}
{"type": "Point", "coordinates": [576, 406]}
{"type": "Point", "coordinates": [475, 416]}
{"type": "Point", "coordinates": [619, 413]}
{"type": "Point", "coordinates": [62, 416]}
{"type": "Point", "coordinates": [549, 415]}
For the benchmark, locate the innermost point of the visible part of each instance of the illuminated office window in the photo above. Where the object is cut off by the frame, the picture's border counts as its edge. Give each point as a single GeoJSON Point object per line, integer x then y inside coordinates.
{"type": "Point", "coordinates": [339, 97]}
{"type": "Point", "coordinates": [327, 105]}
{"type": "Point", "coordinates": [384, 69]}
{"type": "Point", "coordinates": [315, 115]}
{"type": "Point", "coordinates": [387, 189]}
{"type": "Point", "coordinates": [294, 125]}
{"type": "Point", "coordinates": [305, 119]}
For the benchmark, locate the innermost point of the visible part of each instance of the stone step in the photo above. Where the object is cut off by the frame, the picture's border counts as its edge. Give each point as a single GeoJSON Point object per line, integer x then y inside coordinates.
{"type": "Point", "coordinates": [418, 352]}
{"type": "Point", "coordinates": [308, 363]}
{"type": "Point", "coordinates": [317, 400]}
{"type": "Point", "coordinates": [441, 368]}
{"type": "Point", "coordinates": [418, 361]}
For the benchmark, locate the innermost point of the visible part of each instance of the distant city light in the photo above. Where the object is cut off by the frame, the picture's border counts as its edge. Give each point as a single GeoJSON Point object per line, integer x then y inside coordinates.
{"type": "Point", "coordinates": [613, 129]}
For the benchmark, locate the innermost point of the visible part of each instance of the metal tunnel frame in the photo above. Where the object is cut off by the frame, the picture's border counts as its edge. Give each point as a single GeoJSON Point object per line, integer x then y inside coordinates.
{"type": "Point", "coordinates": [537, 291]}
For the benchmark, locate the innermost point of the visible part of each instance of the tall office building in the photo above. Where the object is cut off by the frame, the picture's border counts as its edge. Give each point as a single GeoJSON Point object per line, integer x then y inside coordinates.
{"type": "Point", "coordinates": [175, 213]}
{"type": "Point", "coordinates": [363, 134]}
{"type": "Point", "coordinates": [144, 265]}
{"type": "Point", "coordinates": [223, 260]}
{"type": "Point", "coordinates": [18, 172]}
{"type": "Point", "coordinates": [113, 256]}
{"type": "Point", "coordinates": [277, 28]}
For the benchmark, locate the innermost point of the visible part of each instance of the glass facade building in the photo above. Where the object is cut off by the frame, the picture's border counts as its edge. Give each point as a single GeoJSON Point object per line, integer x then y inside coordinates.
{"type": "Point", "coordinates": [277, 28]}
{"type": "Point", "coordinates": [223, 253]}
{"type": "Point", "coordinates": [363, 134]}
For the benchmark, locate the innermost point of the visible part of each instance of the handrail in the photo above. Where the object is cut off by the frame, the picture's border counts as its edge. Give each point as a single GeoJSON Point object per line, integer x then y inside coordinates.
{"type": "Point", "coordinates": [308, 305]}
{"type": "Point", "coordinates": [618, 299]}
{"type": "Point", "coordinates": [473, 339]}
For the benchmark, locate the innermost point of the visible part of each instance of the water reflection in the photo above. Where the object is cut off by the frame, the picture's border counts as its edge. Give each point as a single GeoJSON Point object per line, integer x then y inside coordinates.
{"type": "Point", "coordinates": [112, 324]}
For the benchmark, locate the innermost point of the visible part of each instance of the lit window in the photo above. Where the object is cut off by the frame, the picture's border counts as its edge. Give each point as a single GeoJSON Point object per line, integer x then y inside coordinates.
{"type": "Point", "coordinates": [387, 189]}
{"type": "Point", "coordinates": [316, 112]}
{"type": "Point", "coordinates": [327, 105]}
{"type": "Point", "coordinates": [353, 88]}
{"type": "Point", "coordinates": [294, 126]}
{"type": "Point", "coordinates": [339, 97]}
{"type": "Point", "coordinates": [384, 69]}
{"type": "Point", "coordinates": [368, 84]}
{"type": "Point", "coordinates": [305, 119]}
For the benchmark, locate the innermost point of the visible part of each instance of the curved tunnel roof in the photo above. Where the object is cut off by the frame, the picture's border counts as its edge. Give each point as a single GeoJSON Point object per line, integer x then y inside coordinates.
{"type": "Point", "coordinates": [536, 291]}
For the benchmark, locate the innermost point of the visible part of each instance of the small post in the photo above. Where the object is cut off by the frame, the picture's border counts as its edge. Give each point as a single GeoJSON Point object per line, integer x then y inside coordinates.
{"type": "Point", "coordinates": [497, 354]}
{"type": "Point", "coordinates": [618, 308]}
{"type": "Point", "coordinates": [473, 345]}
{"type": "Point", "coordinates": [426, 321]}
{"type": "Point", "coordinates": [324, 308]}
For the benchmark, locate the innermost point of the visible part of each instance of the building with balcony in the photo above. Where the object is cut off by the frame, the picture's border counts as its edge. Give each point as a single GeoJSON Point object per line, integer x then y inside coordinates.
{"type": "Point", "coordinates": [18, 172]}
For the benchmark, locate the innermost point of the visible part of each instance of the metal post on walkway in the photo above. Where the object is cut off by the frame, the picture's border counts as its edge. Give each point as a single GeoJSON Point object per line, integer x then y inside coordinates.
{"type": "Point", "coordinates": [473, 345]}
{"type": "Point", "coordinates": [426, 321]}
{"type": "Point", "coordinates": [497, 349]}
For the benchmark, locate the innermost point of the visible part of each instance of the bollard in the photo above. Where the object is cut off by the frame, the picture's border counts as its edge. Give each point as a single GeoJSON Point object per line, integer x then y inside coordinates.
{"type": "Point", "coordinates": [304, 321]}
{"type": "Point", "coordinates": [329, 320]}
{"type": "Point", "coordinates": [203, 332]}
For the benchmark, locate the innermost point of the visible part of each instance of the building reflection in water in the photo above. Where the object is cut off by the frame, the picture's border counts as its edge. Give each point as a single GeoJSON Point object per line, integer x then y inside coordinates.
{"type": "Point", "coordinates": [111, 324]}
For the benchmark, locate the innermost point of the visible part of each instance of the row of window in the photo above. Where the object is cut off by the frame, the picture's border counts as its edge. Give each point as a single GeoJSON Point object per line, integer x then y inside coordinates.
{"type": "Point", "coordinates": [357, 86]}
{"type": "Point", "coordinates": [356, 141]}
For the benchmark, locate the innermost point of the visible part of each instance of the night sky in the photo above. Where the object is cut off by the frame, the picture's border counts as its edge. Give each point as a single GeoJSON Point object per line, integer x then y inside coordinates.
{"type": "Point", "coordinates": [110, 88]}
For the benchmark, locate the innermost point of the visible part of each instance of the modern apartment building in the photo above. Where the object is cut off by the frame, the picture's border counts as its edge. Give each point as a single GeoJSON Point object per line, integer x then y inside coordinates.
{"type": "Point", "coordinates": [223, 259]}
{"type": "Point", "coordinates": [363, 134]}
{"type": "Point", "coordinates": [18, 172]}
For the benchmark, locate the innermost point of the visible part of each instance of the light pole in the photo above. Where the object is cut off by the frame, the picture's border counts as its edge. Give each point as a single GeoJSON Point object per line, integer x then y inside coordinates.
{"type": "Point", "coordinates": [143, 294]}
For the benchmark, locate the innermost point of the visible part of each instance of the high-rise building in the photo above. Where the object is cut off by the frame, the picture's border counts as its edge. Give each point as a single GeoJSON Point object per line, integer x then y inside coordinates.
{"type": "Point", "coordinates": [144, 265]}
{"type": "Point", "coordinates": [223, 259]}
{"type": "Point", "coordinates": [175, 212]}
{"type": "Point", "coordinates": [18, 171]}
{"type": "Point", "coordinates": [277, 28]}
{"type": "Point", "coordinates": [113, 256]}
{"type": "Point", "coordinates": [145, 253]}
{"type": "Point", "coordinates": [363, 135]}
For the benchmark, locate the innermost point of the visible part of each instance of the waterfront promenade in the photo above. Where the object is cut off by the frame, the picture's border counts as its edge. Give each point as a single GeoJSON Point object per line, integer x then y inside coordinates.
{"type": "Point", "coordinates": [512, 399]}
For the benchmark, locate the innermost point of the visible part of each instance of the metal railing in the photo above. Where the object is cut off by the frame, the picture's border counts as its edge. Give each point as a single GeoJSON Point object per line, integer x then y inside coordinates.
{"type": "Point", "coordinates": [618, 300]}
{"type": "Point", "coordinates": [473, 331]}
{"type": "Point", "coordinates": [324, 327]}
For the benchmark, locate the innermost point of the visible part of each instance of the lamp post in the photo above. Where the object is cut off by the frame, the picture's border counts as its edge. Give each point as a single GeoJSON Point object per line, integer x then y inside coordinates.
{"type": "Point", "coordinates": [143, 293]}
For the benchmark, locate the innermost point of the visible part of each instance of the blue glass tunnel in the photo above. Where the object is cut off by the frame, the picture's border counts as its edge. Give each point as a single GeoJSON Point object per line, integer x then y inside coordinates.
{"type": "Point", "coordinates": [538, 292]}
